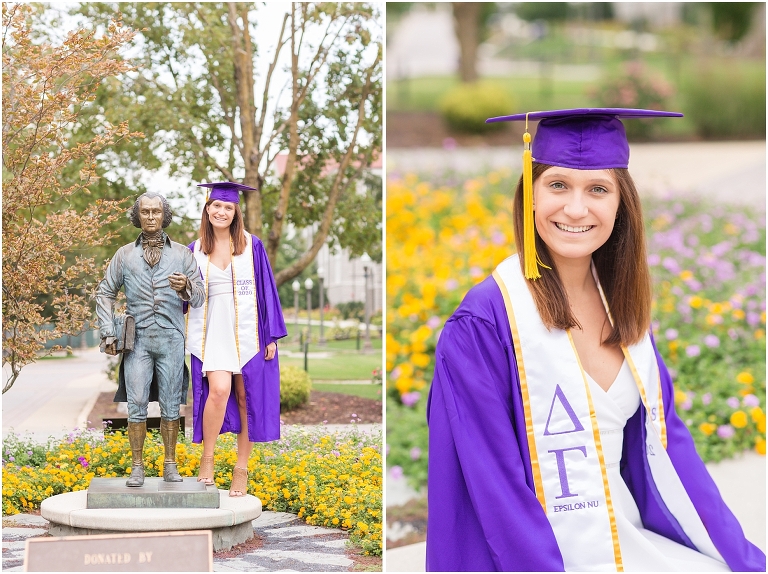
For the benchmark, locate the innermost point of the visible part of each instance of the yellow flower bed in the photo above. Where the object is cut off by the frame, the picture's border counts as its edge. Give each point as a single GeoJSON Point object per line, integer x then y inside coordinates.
{"type": "Point", "coordinates": [327, 480]}
{"type": "Point", "coordinates": [439, 244]}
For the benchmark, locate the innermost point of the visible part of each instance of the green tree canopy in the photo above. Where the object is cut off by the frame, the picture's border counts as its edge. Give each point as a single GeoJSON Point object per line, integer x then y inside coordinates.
{"type": "Point", "coordinates": [206, 96]}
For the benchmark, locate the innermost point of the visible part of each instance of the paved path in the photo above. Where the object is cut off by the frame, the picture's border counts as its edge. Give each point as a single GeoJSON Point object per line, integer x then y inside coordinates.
{"type": "Point", "coordinates": [288, 544]}
{"type": "Point", "coordinates": [721, 171]}
{"type": "Point", "coordinates": [54, 396]}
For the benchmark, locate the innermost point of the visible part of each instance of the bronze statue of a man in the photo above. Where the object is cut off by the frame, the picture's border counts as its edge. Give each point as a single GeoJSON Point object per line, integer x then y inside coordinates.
{"type": "Point", "coordinates": [157, 275]}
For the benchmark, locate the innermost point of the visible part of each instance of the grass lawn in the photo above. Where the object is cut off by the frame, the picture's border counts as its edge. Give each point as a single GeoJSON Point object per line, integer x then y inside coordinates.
{"type": "Point", "coordinates": [536, 93]}
{"type": "Point", "coordinates": [365, 391]}
{"type": "Point", "coordinates": [340, 367]}
{"type": "Point", "coordinates": [331, 344]}
{"type": "Point", "coordinates": [423, 94]}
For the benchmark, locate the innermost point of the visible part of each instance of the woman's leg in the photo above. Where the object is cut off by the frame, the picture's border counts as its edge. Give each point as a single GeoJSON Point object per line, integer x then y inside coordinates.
{"type": "Point", "coordinates": [244, 445]}
{"type": "Point", "coordinates": [219, 386]}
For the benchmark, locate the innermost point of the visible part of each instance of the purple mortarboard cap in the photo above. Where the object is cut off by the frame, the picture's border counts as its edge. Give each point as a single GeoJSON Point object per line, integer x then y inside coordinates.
{"type": "Point", "coordinates": [225, 191]}
{"type": "Point", "coordinates": [582, 138]}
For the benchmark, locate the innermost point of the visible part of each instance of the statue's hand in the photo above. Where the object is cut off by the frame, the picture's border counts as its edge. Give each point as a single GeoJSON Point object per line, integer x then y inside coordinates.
{"type": "Point", "coordinates": [109, 344]}
{"type": "Point", "coordinates": [178, 282]}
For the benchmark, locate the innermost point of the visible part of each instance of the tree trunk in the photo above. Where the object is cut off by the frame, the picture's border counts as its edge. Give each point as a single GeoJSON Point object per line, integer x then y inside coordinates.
{"type": "Point", "coordinates": [242, 51]}
{"type": "Point", "coordinates": [466, 19]}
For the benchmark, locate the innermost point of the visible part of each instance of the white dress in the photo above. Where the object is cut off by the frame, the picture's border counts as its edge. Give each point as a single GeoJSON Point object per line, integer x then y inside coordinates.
{"type": "Point", "coordinates": [641, 549]}
{"type": "Point", "coordinates": [220, 344]}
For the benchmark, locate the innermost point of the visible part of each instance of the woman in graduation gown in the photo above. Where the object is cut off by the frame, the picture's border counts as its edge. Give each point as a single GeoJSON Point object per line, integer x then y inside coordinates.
{"type": "Point", "coordinates": [233, 337]}
{"type": "Point", "coordinates": [553, 439]}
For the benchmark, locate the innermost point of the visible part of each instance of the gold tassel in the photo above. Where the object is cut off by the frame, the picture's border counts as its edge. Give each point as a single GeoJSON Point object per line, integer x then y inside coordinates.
{"type": "Point", "coordinates": [530, 257]}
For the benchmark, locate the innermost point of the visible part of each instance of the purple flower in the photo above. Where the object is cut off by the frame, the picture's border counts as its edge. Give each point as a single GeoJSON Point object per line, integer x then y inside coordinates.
{"type": "Point", "coordinates": [29, 453]}
{"type": "Point", "coordinates": [396, 472]}
{"type": "Point", "coordinates": [687, 404]}
{"type": "Point", "coordinates": [415, 453]}
{"type": "Point", "coordinates": [451, 284]}
{"type": "Point", "coordinates": [671, 265]}
{"type": "Point", "coordinates": [711, 341]}
{"type": "Point", "coordinates": [410, 399]}
{"type": "Point", "coordinates": [475, 271]}
{"type": "Point", "coordinates": [387, 448]}
{"type": "Point", "coordinates": [733, 334]}
{"type": "Point", "coordinates": [725, 431]}
{"type": "Point", "coordinates": [449, 143]}
{"type": "Point", "coordinates": [498, 238]}
{"type": "Point", "coordinates": [653, 259]}
{"type": "Point", "coordinates": [692, 350]}
{"type": "Point", "coordinates": [671, 334]}
{"type": "Point", "coordinates": [12, 459]}
{"type": "Point", "coordinates": [706, 398]}
{"type": "Point", "coordinates": [434, 322]}
{"type": "Point", "coordinates": [336, 453]}
{"type": "Point", "coordinates": [751, 401]}
{"type": "Point", "coordinates": [732, 402]}
{"type": "Point", "coordinates": [395, 374]}
{"type": "Point", "coordinates": [753, 319]}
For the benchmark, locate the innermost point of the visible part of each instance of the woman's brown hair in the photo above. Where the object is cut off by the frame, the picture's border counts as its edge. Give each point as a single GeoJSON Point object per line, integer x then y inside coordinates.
{"type": "Point", "coordinates": [236, 231]}
{"type": "Point", "coordinates": [621, 265]}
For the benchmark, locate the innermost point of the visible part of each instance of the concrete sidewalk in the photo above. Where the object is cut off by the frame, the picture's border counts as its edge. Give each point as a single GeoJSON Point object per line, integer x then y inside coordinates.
{"type": "Point", "coordinates": [741, 482]}
{"type": "Point", "coordinates": [721, 171]}
{"type": "Point", "coordinates": [52, 397]}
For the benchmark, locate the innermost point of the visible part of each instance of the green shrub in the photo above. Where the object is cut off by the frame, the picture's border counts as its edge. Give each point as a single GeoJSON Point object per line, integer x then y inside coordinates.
{"type": "Point", "coordinates": [295, 385]}
{"type": "Point", "coordinates": [352, 310]}
{"type": "Point", "coordinates": [728, 103]}
{"type": "Point", "coordinates": [467, 106]}
{"type": "Point", "coordinates": [635, 87]}
{"type": "Point", "coordinates": [341, 333]}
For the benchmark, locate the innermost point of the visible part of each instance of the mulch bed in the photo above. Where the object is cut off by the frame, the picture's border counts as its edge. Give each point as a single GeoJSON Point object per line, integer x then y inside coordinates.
{"type": "Point", "coordinates": [413, 513]}
{"type": "Point", "coordinates": [334, 408]}
{"type": "Point", "coordinates": [428, 129]}
{"type": "Point", "coordinates": [331, 408]}
{"type": "Point", "coordinates": [248, 546]}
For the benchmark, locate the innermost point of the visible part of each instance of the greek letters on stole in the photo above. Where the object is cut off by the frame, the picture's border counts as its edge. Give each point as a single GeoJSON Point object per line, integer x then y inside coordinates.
{"type": "Point", "coordinates": [246, 308]}
{"type": "Point", "coordinates": [568, 468]}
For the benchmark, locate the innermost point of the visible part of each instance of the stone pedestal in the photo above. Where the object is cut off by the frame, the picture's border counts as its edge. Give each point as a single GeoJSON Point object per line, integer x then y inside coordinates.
{"type": "Point", "coordinates": [155, 493]}
{"type": "Point", "coordinates": [230, 522]}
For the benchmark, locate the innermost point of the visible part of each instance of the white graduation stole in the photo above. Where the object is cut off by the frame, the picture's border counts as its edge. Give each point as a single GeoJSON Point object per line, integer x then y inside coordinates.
{"type": "Point", "coordinates": [567, 462]}
{"type": "Point", "coordinates": [246, 308]}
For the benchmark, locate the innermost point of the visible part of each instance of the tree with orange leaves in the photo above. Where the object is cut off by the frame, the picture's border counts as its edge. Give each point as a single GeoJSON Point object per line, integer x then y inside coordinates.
{"type": "Point", "coordinates": [46, 88]}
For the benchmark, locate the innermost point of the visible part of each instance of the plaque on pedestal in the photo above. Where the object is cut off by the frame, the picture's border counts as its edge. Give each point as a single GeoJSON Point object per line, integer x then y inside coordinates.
{"type": "Point", "coordinates": [156, 493]}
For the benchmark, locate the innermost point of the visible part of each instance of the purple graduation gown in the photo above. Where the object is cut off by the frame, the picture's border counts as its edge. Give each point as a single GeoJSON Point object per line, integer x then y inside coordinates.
{"type": "Point", "coordinates": [260, 377]}
{"type": "Point", "coordinates": [483, 513]}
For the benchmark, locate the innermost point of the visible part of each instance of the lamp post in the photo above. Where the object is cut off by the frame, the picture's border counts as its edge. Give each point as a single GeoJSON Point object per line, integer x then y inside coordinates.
{"type": "Point", "coordinates": [308, 286]}
{"type": "Point", "coordinates": [321, 277]}
{"type": "Point", "coordinates": [296, 286]}
{"type": "Point", "coordinates": [366, 261]}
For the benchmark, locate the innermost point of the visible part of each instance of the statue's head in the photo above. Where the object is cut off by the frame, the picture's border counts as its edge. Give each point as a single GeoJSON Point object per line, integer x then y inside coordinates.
{"type": "Point", "coordinates": [151, 212]}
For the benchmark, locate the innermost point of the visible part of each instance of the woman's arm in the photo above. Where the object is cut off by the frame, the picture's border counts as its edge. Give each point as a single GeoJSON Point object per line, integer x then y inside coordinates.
{"type": "Point", "coordinates": [267, 292]}
{"type": "Point", "coordinates": [482, 513]}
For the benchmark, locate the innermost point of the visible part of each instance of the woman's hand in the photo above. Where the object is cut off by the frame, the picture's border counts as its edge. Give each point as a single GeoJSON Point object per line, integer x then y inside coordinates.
{"type": "Point", "coordinates": [269, 352]}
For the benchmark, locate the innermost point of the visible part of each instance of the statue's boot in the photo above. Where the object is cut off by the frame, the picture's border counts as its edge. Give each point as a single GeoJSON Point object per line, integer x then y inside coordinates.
{"type": "Point", "coordinates": [136, 434]}
{"type": "Point", "coordinates": [169, 430]}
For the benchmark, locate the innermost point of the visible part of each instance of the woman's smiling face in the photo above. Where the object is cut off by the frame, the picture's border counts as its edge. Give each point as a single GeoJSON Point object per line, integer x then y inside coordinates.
{"type": "Point", "coordinates": [221, 213]}
{"type": "Point", "coordinates": [575, 210]}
